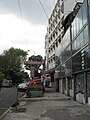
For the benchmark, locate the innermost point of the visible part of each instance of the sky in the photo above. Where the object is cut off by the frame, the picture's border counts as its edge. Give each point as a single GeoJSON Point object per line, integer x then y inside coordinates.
{"type": "Point", "coordinates": [24, 26]}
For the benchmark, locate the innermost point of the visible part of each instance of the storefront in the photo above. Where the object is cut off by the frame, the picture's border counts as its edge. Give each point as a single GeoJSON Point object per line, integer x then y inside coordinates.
{"type": "Point", "coordinates": [74, 57]}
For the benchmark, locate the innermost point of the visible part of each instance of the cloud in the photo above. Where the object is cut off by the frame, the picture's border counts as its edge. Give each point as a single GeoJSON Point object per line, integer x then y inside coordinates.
{"type": "Point", "coordinates": [27, 30]}
{"type": "Point", "coordinates": [9, 7]}
{"type": "Point", "coordinates": [35, 12]}
{"type": "Point", "coordinates": [31, 9]}
{"type": "Point", "coordinates": [14, 34]}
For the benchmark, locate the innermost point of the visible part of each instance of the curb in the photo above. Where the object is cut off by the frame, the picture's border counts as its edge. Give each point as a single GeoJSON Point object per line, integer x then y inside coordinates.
{"type": "Point", "coordinates": [34, 99]}
{"type": "Point", "coordinates": [7, 111]}
{"type": "Point", "coordinates": [3, 115]}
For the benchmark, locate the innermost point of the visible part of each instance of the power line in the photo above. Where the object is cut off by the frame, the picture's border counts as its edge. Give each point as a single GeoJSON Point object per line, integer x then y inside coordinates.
{"type": "Point", "coordinates": [22, 14]}
{"type": "Point", "coordinates": [22, 18]}
{"type": "Point", "coordinates": [43, 8]}
{"type": "Point", "coordinates": [20, 9]}
{"type": "Point", "coordinates": [54, 2]}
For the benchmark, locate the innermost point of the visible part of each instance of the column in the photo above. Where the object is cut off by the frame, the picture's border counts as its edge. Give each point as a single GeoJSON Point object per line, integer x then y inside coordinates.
{"type": "Point", "coordinates": [85, 87]}
{"type": "Point", "coordinates": [74, 87]}
{"type": "Point", "coordinates": [67, 86]}
{"type": "Point", "coordinates": [62, 86]}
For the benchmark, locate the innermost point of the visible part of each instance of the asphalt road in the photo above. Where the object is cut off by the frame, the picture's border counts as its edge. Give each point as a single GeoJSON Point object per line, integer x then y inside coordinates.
{"type": "Point", "coordinates": [8, 97]}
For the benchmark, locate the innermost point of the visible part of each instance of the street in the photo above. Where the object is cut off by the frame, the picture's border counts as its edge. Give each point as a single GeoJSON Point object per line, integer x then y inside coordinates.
{"type": "Point", "coordinates": [53, 106]}
{"type": "Point", "coordinates": [8, 97]}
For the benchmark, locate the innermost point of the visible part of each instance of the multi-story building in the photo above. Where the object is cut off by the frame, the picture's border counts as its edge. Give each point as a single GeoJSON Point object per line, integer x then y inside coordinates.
{"type": "Point", "coordinates": [55, 29]}
{"type": "Point", "coordinates": [67, 48]}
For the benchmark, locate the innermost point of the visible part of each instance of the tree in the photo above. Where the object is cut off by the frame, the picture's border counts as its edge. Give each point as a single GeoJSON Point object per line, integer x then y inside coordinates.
{"type": "Point", "coordinates": [1, 78]}
{"type": "Point", "coordinates": [35, 58]}
{"type": "Point", "coordinates": [11, 63]}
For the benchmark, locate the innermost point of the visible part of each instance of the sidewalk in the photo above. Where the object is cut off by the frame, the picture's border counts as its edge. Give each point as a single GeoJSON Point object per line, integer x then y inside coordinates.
{"type": "Point", "coordinates": [49, 95]}
{"type": "Point", "coordinates": [52, 106]}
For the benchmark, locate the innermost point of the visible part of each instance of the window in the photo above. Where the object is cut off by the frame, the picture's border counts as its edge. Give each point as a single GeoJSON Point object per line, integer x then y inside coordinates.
{"type": "Point", "coordinates": [80, 19]}
{"type": "Point", "coordinates": [84, 12]}
{"type": "Point", "coordinates": [62, 8]}
{"type": "Point", "coordinates": [59, 40]}
{"type": "Point", "coordinates": [87, 57]}
{"type": "Point", "coordinates": [49, 50]}
{"type": "Point", "coordinates": [57, 43]}
{"type": "Point", "coordinates": [65, 69]}
{"type": "Point", "coordinates": [81, 40]}
{"type": "Point", "coordinates": [86, 39]}
{"type": "Point", "coordinates": [49, 40]}
{"type": "Point", "coordinates": [54, 47]}
{"type": "Point", "coordinates": [59, 14]}
{"type": "Point", "coordinates": [77, 62]}
{"type": "Point", "coordinates": [54, 35]}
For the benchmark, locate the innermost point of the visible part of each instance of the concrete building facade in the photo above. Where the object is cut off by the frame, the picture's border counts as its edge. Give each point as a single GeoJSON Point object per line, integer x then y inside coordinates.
{"type": "Point", "coordinates": [67, 48]}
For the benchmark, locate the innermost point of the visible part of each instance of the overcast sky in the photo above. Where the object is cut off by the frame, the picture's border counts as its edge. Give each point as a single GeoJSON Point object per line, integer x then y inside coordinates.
{"type": "Point", "coordinates": [27, 30]}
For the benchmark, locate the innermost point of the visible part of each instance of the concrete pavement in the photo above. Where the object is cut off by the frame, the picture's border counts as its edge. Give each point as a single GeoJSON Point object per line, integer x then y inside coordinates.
{"type": "Point", "coordinates": [8, 97]}
{"type": "Point", "coordinates": [52, 106]}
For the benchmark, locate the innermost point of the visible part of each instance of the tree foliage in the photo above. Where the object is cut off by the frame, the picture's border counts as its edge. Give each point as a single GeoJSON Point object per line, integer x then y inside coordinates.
{"type": "Point", "coordinates": [1, 77]}
{"type": "Point", "coordinates": [11, 63]}
{"type": "Point", "coordinates": [35, 58]}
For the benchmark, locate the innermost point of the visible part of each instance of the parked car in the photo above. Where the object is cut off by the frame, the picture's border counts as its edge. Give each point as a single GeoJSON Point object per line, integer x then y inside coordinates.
{"type": "Point", "coordinates": [7, 83]}
{"type": "Point", "coordinates": [22, 87]}
{"type": "Point", "coordinates": [34, 82]}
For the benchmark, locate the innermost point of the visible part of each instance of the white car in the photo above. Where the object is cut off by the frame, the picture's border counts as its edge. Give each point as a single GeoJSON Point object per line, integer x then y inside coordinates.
{"type": "Point", "coordinates": [22, 87]}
